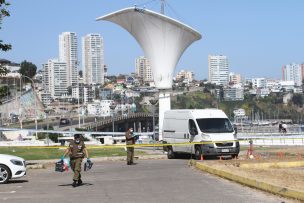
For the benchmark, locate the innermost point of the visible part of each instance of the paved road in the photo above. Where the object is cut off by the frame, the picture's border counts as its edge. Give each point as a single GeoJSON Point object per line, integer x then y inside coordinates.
{"type": "Point", "coordinates": [148, 181]}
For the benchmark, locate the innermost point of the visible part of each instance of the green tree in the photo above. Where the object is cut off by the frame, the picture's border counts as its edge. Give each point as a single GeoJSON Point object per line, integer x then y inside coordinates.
{"type": "Point", "coordinates": [116, 97]}
{"type": "Point", "coordinates": [52, 136]}
{"type": "Point", "coordinates": [4, 13]}
{"type": "Point", "coordinates": [4, 91]}
{"type": "Point", "coordinates": [297, 99]}
{"type": "Point", "coordinates": [3, 47]}
{"type": "Point", "coordinates": [28, 69]}
{"type": "Point", "coordinates": [70, 90]}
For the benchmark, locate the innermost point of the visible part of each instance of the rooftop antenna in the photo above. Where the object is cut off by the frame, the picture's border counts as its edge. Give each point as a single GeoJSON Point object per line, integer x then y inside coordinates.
{"type": "Point", "coordinates": [162, 7]}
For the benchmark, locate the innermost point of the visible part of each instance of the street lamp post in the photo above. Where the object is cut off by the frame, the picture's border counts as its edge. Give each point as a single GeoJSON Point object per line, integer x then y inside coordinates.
{"type": "Point", "coordinates": [112, 107]}
{"type": "Point", "coordinates": [47, 126]}
{"type": "Point", "coordinates": [78, 89]}
{"type": "Point", "coordinates": [35, 102]}
{"type": "Point", "coordinates": [153, 102]}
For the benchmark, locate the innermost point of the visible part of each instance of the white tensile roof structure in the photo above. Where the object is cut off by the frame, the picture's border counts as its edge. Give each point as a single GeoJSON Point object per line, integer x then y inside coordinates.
{"type": "Point", "coordinates": [163, 39]}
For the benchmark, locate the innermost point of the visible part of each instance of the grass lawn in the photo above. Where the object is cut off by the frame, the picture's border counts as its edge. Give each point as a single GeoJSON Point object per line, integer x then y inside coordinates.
{"type": "Point", "coordinates": [29, 153]}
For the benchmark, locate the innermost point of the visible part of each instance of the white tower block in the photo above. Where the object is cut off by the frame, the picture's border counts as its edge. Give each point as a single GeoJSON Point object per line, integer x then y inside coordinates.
{"type": "Point", "coordinates": [163, 40]}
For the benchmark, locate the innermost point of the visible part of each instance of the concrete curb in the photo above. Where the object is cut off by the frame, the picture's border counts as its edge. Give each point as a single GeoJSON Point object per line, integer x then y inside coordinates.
{"type": "Point", "coordinates": [274, 165]}
{"type": "Point", "coordinates": [285, 192]}
{"type": "Point", "coordinates": [35, 166]}
{"type": "Point", "coordinates": [33, 163]}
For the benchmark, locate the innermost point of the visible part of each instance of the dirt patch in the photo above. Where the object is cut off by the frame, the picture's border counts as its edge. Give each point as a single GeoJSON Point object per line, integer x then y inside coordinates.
{"type": "Point", "coordinates": [289, 177]}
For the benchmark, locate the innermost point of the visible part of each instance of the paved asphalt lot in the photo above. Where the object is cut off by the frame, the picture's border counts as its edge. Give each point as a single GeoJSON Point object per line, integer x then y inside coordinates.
{"type": "Point", "coordinates": [147, 181]}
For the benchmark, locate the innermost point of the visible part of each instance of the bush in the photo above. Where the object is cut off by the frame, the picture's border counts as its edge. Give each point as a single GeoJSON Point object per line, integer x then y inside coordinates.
{"type": "Point", "coordinates": [52, 136]}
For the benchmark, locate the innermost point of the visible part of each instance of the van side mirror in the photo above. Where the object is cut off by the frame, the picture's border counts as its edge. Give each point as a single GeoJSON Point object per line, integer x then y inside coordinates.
{"type": "Point", "coordinates": [193, 131]}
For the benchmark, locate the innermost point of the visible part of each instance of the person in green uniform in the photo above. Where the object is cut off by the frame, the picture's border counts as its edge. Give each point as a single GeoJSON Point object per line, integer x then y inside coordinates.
{"type": "Point", "coordinates": [130, 140]}
{"type": "Point", "coordinates": [77, 151]}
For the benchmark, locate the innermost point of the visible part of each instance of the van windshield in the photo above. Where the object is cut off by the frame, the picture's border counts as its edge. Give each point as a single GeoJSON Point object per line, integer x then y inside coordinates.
{"type": "Point", "coordinates": [214, 125]}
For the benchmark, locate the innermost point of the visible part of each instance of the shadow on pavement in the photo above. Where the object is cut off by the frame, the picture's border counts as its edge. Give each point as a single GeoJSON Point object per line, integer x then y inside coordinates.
{"type": "Point", "coordinates": [70, 185]}
{"type": "Point", "coordinates": [17, 181]}
{"type": "Point", "coordinates": [133, 164]}
{"type": "Point", "coordinates": [189, 156]}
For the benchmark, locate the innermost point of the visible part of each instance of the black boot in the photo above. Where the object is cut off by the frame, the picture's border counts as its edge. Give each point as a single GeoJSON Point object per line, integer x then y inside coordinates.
{"type": "Point", "coordinates": [74, 184]}
{"type": "Point", "coordinates": [79, 182]}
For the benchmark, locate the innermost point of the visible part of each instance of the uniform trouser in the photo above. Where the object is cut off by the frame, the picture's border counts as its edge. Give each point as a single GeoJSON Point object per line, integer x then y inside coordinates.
{"type": "Point", "coordinates": [76, 167]}
{"type": "Point", "coordinates": [130, 154]}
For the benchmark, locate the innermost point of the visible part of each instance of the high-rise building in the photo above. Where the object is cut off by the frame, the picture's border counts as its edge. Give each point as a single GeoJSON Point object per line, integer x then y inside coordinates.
{"type": "Point", "coordinates": [183, 74]}
{"type": "Point", "coordinates": [55, 78]}
{"type": "Point", "coordinates": [45, 78]}
{"type": "Point", "coordinates": [143, 69]}
{"type": "Point", "coordinates": [68, 53]}
{"type": "Point", "coordinates": [84, 93]}
{"type": "Point", "coordinates": [259, 83]}
{"type": "Point", "coordinates": [218, 69]}
{"type": "Point", "coordinates": [234, 78]}
{"type": "Point", "coordinates": [93, 59]}
{"type": "Point", "coordinates": [233, 94]}
{"type": "Point", "coordinates": [292, 72]}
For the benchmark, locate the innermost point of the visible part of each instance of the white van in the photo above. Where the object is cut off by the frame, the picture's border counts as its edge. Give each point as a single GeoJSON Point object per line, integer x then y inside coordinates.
{"type": "Point", "coordinates": [208, 132]}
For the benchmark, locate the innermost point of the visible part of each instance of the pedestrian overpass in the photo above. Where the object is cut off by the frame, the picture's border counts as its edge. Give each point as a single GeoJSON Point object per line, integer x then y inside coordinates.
{"type": "Point", "coordinates": [141, 122]}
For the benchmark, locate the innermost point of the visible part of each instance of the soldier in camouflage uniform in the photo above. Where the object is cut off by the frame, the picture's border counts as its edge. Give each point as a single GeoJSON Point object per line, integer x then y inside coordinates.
{"type": "Point", "coordinates": [77, 151]}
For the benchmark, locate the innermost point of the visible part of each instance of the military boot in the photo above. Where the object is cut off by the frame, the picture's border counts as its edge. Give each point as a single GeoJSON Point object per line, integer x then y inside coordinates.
{"type": "Point", "coordinates": [74, 184]}
{"type": "Point", "coordinates": [79, 182]}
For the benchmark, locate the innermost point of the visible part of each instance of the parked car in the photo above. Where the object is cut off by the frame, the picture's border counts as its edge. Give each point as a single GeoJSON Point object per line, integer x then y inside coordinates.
{"type": "Point", "coordinates": [64, 121]}
{"type": "Point", "coordinates": [11, 167]}
{"type": "Point", "coordinates": [14, 118]}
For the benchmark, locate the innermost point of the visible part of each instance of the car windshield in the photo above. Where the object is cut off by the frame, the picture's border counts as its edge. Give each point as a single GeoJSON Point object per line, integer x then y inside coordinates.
{"type": "Point", "coordinates": [214, 125]}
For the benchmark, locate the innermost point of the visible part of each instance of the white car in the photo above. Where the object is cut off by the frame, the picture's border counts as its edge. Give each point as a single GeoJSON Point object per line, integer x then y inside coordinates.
{"type": "Point", "coordinates": [11, 167]}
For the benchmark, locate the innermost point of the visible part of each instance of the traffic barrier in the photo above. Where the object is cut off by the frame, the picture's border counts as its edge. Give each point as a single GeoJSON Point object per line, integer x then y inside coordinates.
{"type": "Point", "coordinates": [142, 145]}
{"type": "Point", "coordinates": [148, 145]}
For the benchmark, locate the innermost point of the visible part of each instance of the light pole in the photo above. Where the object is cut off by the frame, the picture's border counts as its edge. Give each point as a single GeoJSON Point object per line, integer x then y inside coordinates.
{"type": "Point", "coordinates": [47, 125]}
{"type": "Point", "coordinates": [153, 101]}
{"type": "Point", "coordinates": [112, 107]}
{"type": "Point", "coordinates": [78, 89]}
{"type": "Point", "coordinates": [35, 102]}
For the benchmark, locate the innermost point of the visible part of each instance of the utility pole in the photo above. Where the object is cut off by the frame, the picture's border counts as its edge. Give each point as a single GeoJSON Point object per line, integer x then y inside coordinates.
{"type": "Point", "coordinates": [153, 101]}
{"type": "Point", "coordinates": [79, 121]}
{"type": "Point", "coordinates": [112, 107]}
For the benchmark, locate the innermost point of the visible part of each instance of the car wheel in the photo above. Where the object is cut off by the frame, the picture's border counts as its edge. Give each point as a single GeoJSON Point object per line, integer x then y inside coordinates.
{"type": "Point", "coordinates": [5, 174]}
{"type": "Point", "coordinates": [170, 153]}
{"type": "Point", "coordinates": [198, 153]}
{"type": "Point", "coordinates": [233, 156]}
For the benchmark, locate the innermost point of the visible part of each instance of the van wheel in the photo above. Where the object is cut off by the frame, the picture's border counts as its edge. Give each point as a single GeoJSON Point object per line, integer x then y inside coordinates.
{"type": "Point", "coordinates": [170, 153]}
{"type": "Point", "coordinates": [234, 156]}
{"type": "Point", "coordinates": [198, 153]}
{"type": "Point", "coordinates": [5, 174]}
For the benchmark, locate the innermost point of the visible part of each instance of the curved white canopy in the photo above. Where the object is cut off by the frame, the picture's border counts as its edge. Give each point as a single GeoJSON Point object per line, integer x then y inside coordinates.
{"type": "Point", "coordinates": [163, 39]}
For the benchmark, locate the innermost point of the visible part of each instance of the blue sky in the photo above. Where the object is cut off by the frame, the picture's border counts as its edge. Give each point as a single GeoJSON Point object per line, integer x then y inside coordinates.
{"type": "Point", "coordinates": [258, 36]}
